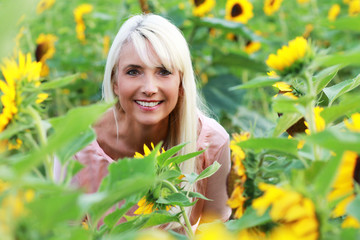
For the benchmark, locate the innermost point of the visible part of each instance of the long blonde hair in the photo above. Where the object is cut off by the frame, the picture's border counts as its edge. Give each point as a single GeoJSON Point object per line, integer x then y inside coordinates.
{"type": "Point", "coordinates": [173, 52]}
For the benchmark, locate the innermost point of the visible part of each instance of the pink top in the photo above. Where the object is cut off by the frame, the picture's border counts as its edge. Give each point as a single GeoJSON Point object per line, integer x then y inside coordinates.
{"type": "Point", "coordinates": [212, 137]}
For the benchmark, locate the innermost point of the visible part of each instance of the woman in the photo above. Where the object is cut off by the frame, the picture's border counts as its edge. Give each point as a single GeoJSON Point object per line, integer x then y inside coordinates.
{"type": "Point", "coordinates": [149, 72]}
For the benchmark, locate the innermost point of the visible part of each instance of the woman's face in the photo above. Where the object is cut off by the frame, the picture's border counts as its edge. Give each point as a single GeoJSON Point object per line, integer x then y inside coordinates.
{"type": "Point", "coordinates": [147, 95]}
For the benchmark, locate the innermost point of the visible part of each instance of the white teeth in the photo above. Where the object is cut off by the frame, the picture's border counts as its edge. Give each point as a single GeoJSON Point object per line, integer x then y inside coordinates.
{"type": "Point", "coordinates": [147, 104]}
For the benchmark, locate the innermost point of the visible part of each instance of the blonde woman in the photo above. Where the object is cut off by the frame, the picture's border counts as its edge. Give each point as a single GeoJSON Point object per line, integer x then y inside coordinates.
{"type": "Point", "coordinates": [149, 72]}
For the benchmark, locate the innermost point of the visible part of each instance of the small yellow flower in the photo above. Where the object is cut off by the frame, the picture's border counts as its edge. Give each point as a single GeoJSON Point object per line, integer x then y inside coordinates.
{"type": "Point", "coordinates": [202, 7]}
{"type": "Point", "coordinates": [283, 86]}
{"type": "Point", "coordinates": [334, 12]}
{"type": "Point", "coordinates": [239, 11]}
{"type": "Point", "coordinates": [272, 74]}
{"type": "Point", "coordinates": [45, 50]}
{"type": "Point", "coordinates": [44, 5]}
{"type": "Point", "coordinates": [154, 234]}
{"type": "Point", "coordinates": [344, 183]}
{"type": "Point", "coordinates": [354, 7]}
{"type": "Point", "coordinates": [80, 25]}
{"type": "Point", "coordinates": [271, 6]}
{"type": "Point", "coordinates": [41, 97]}
{"type": "Point", "coordinates": [213, 231]}
{"type": "Point", "coordinates": [236, 201]}
{"type": "Point", "coordinates": [350, 222]}
{"type": "Point", "coordinates": [355, 125]}
{"type": "Point", "coordinates": [106, 45]}
{"type": "Point", "coordinates": [238, 155]}
{"type": "Point", "coordinates": [303, 1]}
{"type": "Point", "coordinates": [294, 213]}
{"type": "Point", "coordinates": [17, 145]}
{"type": "Point", "coordinates": [288, 55]}
{"type": "Point", "coordinates": [308, 29]}
{"type": "Point", "coordinates": [144, 207]}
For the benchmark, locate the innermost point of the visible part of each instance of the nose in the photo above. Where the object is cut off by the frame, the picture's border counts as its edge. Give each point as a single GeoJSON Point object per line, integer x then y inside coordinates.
{"type": "Point", "coordinates": [149, 87]}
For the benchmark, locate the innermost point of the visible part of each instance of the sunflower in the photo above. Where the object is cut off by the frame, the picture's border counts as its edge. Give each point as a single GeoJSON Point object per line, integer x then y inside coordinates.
{"type": "Point", "coordinates": [319, 121]}
{"type": "Point", "coordinates": [271, 6]}
{"type": "Point", "coordinates": [13, 72]}
{"type": "Point", "coordinates": [355, 125]}
{"type": "Point", "coordinates": [237, 176]}
{"type": "Point", "coordinates": [252, 47]}
{"type": "Point", "coordinates": [80, 25]}
{"type": "Point", "coordinates": [106, 45]}
{"type": "Point", "coordinates": [344, 183]}
{"type": "Point", "coordinates": [295, 214]}
{"type": "Point", "coordinates": [239, 11]}
{"type": "Point", "coordinates": [202, 7]}
{"type": "Point", "coordinates": [333, 12]}
{"type": "Point", "coordinates": [288, 57]}
{"type": "Point", "coordinates": [45, 50]}
{"type": "Point", "coordinates": [354, 7]}
{"type": "Point", "coordinates": [43, 5]}
{"type": "Point", "coordinates": [285, 90]}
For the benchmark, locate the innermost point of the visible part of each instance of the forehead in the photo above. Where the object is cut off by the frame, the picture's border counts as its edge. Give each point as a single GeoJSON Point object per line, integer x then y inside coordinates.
{"type": "Point", "coordinates": [139, 55]}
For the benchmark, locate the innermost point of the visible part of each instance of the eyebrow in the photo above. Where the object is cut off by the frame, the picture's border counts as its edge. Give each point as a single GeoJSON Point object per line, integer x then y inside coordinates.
{"type": "Point", "coordinates": [132, 66]}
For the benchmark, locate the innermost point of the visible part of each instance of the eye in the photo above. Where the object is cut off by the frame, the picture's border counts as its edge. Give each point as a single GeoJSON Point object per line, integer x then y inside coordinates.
{"type": "Point", "coordinates": [132, 72]}
{"type": "Point", "coordinates": [164, 72]}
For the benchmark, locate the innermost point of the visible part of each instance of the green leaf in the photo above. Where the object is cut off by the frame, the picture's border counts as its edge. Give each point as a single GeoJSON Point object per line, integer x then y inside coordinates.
{"type": "Point", "coordinates": [198, 195]}
{"type": "Point", "coordinates": [286, 121]}
{"type": "Point", "coordinates": [128, 168]}
{"type": "Point", "coordinates": [339, 89]}
{"type": "Point", "coordinates": [60, 82]}
{"type": "Point", "coordinates": [326, 176]}
{"type": "Point", "coordinates": [181, 158]}
{"type": "Point", "coordinates": [229, 26]}
{"type": "Point", "coordinates": [111, 219]}
{"type": "Point", "coordinates": [284, 145]}
{"type": "Point", "coordinates": [347, 106]}
{"type": "Point", "coordinates": [49, 210]}
{"type": "Point", "coordinates": [237, 60]}
{"type": "Point", "coordinates": [210, 170]}
{"type": "Point", "coordinates": [283, 104]}
{"type": "Point", "coordinates": [99, 203]}
{"type": "Point", "coordinates": [132, 225]}
{"type": "Point", "coordinates": [66, 129]}
{"type": "Point", "coordinates": [353, 208]}
{"type": "Point", "coordinates": [13, 129]}
{"type": "Point", "coordinates": [248, 220]}
{"type": "Point", "coordinates": [348, 23]}
{"type": "Point", "coordinates": [322, 79]}
{"type": "Point", "coordinates": [80, 141]}
{"type": "Point", "coordinates": [160, 217]}
{"type": "Point", "coordinates": [256, 83]}
{"type": "Point", "coordinates": [169, 153]}
{"type": "Point", "coordinates": [178, 199]}
{"type": "Point", "coordinates": [335, 140]}
{"type": "Point", "coordinates": [351, 57]}
{"type": "Point", "coordinates": [169, 174]}
{"type": "Point", "coordinates": [191, 178]}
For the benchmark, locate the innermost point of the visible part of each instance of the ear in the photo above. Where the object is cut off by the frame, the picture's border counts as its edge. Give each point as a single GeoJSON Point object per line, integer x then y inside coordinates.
{"type": "Point", "coordinates": [115, 88]}
{"type": "Point", "coordinates": [181, 89]}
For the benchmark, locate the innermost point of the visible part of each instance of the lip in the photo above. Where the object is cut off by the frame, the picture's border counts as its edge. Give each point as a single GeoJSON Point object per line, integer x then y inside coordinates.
{"type": "Point", "coordinates": [148, 108]}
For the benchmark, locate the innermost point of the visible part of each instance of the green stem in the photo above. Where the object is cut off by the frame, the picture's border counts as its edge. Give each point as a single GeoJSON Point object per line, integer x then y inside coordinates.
{"type": "Point", "coordinates": [188, 228]}
{"type": "Point", "coordinates": [42, 139]}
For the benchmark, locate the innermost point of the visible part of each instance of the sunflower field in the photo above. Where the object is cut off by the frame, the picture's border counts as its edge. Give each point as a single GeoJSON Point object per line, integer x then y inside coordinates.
{"type": "Point", "coordinates": [282, 77]}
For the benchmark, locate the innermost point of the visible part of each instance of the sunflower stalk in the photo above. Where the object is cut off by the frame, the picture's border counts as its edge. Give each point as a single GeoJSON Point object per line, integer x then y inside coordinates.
{"type": "Point", "coordinates": [41, 132]}
{"type": "Point", "coordinates": [188, 228]}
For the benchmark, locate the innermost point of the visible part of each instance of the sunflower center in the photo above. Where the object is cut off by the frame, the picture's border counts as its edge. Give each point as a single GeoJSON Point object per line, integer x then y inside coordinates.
{"type": "Point", "coordinates": [272, 2]}
{"type": "Point", "coordinates": [236, 10]}
{"type": "Point", "coordinates": [199, 2]}
{"type": "Point", "coordinates": [356, 173]}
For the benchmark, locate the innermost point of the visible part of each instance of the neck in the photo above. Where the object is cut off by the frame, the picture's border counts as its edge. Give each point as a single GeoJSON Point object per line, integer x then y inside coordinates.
{"type": "Point", "coordinates": [135, 135]}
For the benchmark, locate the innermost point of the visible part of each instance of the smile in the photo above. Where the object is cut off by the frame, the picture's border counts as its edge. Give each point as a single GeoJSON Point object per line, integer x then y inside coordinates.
{"type": "Point", "coordinates": [148, 104]}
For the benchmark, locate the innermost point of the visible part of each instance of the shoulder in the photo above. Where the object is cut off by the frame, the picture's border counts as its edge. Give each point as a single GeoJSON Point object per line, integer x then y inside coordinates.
{"type": "Point", "coordinates": [211, 135]}
{"type": "Point", "coordinates": [210, 129]}
{"type": "Point", "coordinates": [92, 154]}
